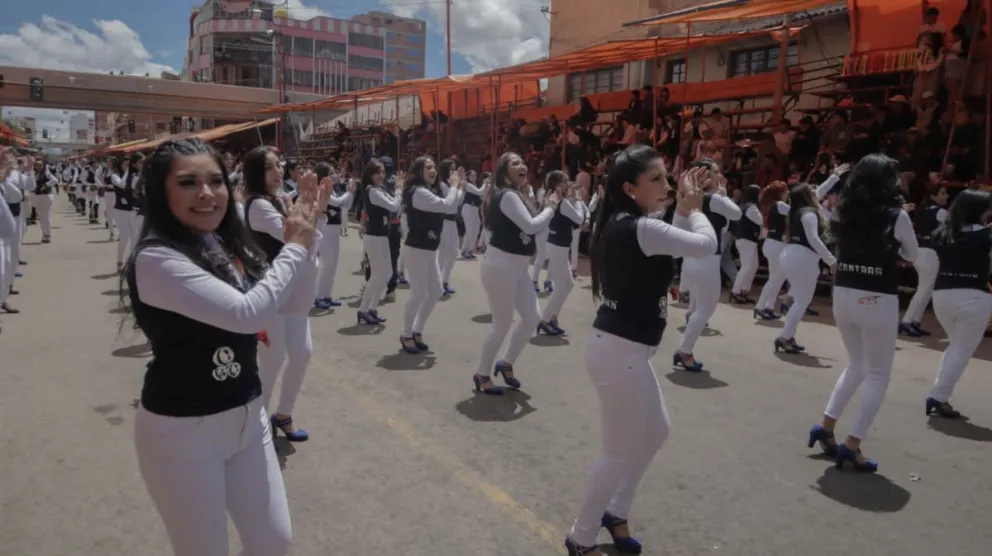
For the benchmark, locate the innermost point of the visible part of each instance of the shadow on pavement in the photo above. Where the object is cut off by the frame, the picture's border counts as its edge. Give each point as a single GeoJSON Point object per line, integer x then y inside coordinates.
{"type": "Point", "coordinates": [862, 491]}
{"type": "Point", "coordinates": [483, 319]}
{"type": "Point", "coordinates": [511, 406]}
{"type": "Point", "coordinates": [701, 380]}
{"type": "Point", "coordinates": [403, 361]}
{"type": "Point", "coordinates": [140, 350]}
{"type": "Point", "coordinates": [960, 428]}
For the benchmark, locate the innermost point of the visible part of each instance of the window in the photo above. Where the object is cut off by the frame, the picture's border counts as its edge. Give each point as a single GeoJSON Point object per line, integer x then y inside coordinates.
{"type": "Point", "coordinates": [299, 77]}
{"type": "Point", "coordinates": [368, 41]}
{"type": "Point", "coordinates": [364, 62]}
{"type": "Point", "coordinates": [329, 50]}
{"type": "Point", "coordinates": [760, 60]}
{"type": "Point", "coordinates": [675, 71]}
{"type": "Point", "coordinates": [302, 46]}
{"type": "Point", "coordinates": [361, 83]}
{"type": "Point", "coordinates": [600, 81]}
{"type": "Point", "coordinates": [415, 53]}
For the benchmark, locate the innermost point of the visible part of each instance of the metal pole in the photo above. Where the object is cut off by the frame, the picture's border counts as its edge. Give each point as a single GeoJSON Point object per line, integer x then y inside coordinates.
{"type": "Point", "coordinates": [780, 81]}
{"type": "Point", "coordinates": [988, 97]}
{"type": "Point", "coordinates": [451, 112]}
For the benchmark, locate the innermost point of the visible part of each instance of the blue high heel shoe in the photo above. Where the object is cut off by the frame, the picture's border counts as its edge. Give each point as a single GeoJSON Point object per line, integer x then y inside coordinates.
{"type": "Point", "coordinates": [419, 340]}
{"type": "Point", "coordinates": [549, 329]}
{"type": "Point", "coordinates": [845, 454]}
{"type": "Point", "coordinates": [502, 367]}
{"type": "Point", "coordinates": [298, 435]}
{"type": "Point", "coordinates": [409, 345]}
{"type": "Point", "coordinates": [492, 389]}
{"type": "Point", "coordinates": [402, 280]}
{"type": "Point", "coordinates": [331, 302]}
{"type": "Point", "coordinates": [826, 439]}
{"type": "Point", "coordinates": [554, 323]}
{"type": "Point", "coordinates": [537, 289]}
{"type": "Point", "coordinates": [367, 318]}
{"type": "Point", "coordinates": [626, 545]}
{"type": "Point", "coordinates": [579, 550]}
{"type": "Point", "coordinates": [448, 290]}
{"type": "Point", "coordinates": [942, 409]}
{"type": "Point", "coordinates": [375, 314]}
{"type": "Point", "coordinates": [908, 330]}
{"type": "Point", "coordinates": [548, 286]}
{"type": "Point", "coordinates": [678, 360]}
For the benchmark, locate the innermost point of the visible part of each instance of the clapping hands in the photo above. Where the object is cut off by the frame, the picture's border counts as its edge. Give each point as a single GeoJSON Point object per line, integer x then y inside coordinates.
{"type": "Point", "coordinates": [300, 225]}
{"type": "Point", "coordinates": [689, 197]}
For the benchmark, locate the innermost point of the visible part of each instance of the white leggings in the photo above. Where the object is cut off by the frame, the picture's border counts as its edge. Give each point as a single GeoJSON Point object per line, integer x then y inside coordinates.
{"type": "Point", "coordinates": [748, 251]}
{"type": "Point", "coordinates": [866, 322]}
{"type": "Point", "coordinates": [508, 288]}
{"type": "Point", "coordinates": [772, 250]}
{"type": "Point", "coordinates": [109, 199]}
{"type": "Point", "coordinates": [801, 267]}
{"type": "Point", "coordinates": [426, 290]}
{"type": "Point", "coordinates": [470, 215]}
{"type": "Point", "coordinates": [377, 249]}
{"type": "Point", "coordinates": [127, 235]}
{"type": "Point", "coordinates": [447, 252]}
{"type": "Point", "coordinates": [200, 469]}
{"type": "Point", "coordinates": [576, 238]}
{"type": "Point", "coordinates": [560, 273]}
{"type": "Point", "coordinates": [927, 266]}
{"type": "Point", "coordinates": [289, 338]}
{"type": "Point", "coordinates": [964, 315]}
{"type": "Point", "coordinates": [541, 257]}
{"type": "Point", "coordinates": [138, 221]}
{"type": "Point", "coordinates": [634, 423]}
{"type": "Point", "coordinates": [44, 205]}
{"type": "Point", "coordinates": [330, 251]}
{"type": "Point", "coordinates": [12, 255]}
{"type": "Point", "coordinates": [703, 275]}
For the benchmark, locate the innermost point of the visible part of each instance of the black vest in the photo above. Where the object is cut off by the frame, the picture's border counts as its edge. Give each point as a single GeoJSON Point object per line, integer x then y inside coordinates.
{"type": "Point", "coordinates": [423, 228]}
{"type": "Point", "coordinates": [124, 194]}
{"type": "Point", "coordinates": [377, 218]}
{"type": "Point", "coordinates": [718, 221]}
{"type": "Point", "coordinates": [926, 225]}
{"type": "Point", "coordinates": [797, 233]}
{"type": "Point", "coordinates": [43, 185]}
{"type": "Point", "coordinates": [504, 234]}
{"type": "Point", "coordinates": [634, 286]}
{"type": "Point", "coordinates": [747, 228]}
{"type": "Point", "coordinates": [776, 223]}
{"type": "Point", "coordinates": [874, 268]}
{"type": "Point", "coordinates": [89, 176]}
{"type": "Point", "coordinates": [269, 245]}
{"type": "Point", "coordinates": [964, 264]}
{"type": "Point", "coordinates": [473, 199]}
{"type": "Point", "coordinates": [196, 369]}
{"type": "Point", "coordinates": [561, 228]}
{"type": "Point", "coordinates": [333, 214]}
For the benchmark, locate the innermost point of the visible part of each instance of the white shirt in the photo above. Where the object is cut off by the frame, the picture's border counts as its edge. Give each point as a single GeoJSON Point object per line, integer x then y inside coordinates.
{"type": "Point", "coordinates": [8, 224]}
{"type": "Point", "coordinates": [263, 217]}
{"type": "Point", "coordinates": [424, 199]}
{"type": "Point", "coordinates": [691, 237]}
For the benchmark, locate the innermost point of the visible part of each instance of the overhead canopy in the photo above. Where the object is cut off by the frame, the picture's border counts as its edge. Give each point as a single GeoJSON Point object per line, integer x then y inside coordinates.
{"type": "Point", "coordinates": [878, 25]}
{"type": "Point", "coordinates": [205, 135]}
{"type": "Point", "coordinates": [729, 10]}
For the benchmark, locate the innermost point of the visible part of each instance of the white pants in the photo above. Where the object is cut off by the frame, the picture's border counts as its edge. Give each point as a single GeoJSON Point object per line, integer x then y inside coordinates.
{"type": "Point", "coordinates": [377, 250]}
{"type": "Point", "coordinates": [560, 273]}
{"type": "Point", "coordinates": [289, 339]}
{"type": "Point", "coordinates": [109, 212]}
{"type": "Point", "coordinates": [703, 275]}
{"type": "Point", "coordinates": [44, 205]}
{"type": "Point", "coordinates": [748, 251]}
{"type": "Point", "coordinates": [330, 252]}
{"type": "Point", "coordinates": [200, 469]}
{"type": "Point", "coordinates": [684, 285]}
{"type": "Point", "coordinates": [634, 423]}
{"type": "Point", "coordinates": [576, 238]}
{"type": "Point", "coordinates": [137, 222]}
{"type": "Point", "coordinates": [964, 315]}
{"type": "Point", "coordinates": [772, 250]}
{"type": "Point", "coordinates": [424, 274]}
{"type": "Point", "coordinates": [866, 322]}
{"type": "Point", "coordinates": [470, 215]}
{"type": "Point", "coordinates": [5, 270]}
{"type": "Point", "coordinates": [541, 257]}
{"type": "Point", "coordinates": [127, 235]}
{"type": "Point", "coordinates": [447, 252]}
{"type": "Point", "coordinates": [801, 267]}
{"type": "Point", "coordinates": [927, 266]}
{"type": "Point", "coordinates": [12, 254]}
{"type": "Point", "coordinates": [508, 288]}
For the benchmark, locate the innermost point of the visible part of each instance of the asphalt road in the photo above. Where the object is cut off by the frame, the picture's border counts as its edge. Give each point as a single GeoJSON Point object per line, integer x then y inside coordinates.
{"type": "Point", "coordinates": [405, 460]}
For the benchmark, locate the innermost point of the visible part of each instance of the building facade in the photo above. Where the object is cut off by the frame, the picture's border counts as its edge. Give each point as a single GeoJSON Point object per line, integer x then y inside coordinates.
{"type": "Point", "coordinates": [406, 41]}
{"type": "Point", "coordinates": [265, 47]}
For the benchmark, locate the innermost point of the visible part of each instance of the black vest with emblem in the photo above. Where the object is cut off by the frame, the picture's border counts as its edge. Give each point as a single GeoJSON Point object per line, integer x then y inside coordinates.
{"type": "Point", "coordinates": [473, 199]}
{"type": "Point", "coordinates": [634, 286]}
{"type": "Point", "coordinates": [377, 218]}
{"type": "Point", "coordinates": [797, 233]}
{"type": "Point", "coordinates": [926, 225]}
{"type": "Point", "coordinates": [964, 264]}
{"type": "Point", "coordinates": [89, 176]}
{"type": "Point", "coordinates": [196, 369]}
{"type": "Point", "coordinates": [718, 221]}
{"type": "Point", "coordinates": [872, 268]}
{"type": "Point", "coordinates": [124, 193]}
{"type": "Point", "coordinates": [561, 228]}
{"type": "Point", "coordinates": [42, 184]}
{"type": "Point", "coordinates": [747, 228]}
{"type": "Point", "coordinates": [333, 213]}
{"type": "Point", "coordinates": [776, 223]}
{"type": "Point", "coordinates": [269, 245]}
{"type": "Point", "coordinates": [423, 228]}
{"type": "Point", "coordinates": [504, 234]}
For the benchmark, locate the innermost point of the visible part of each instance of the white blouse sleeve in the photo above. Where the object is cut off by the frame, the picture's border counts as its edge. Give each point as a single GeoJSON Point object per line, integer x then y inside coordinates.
{"type": "Point", "coordinates": [783, 208]}
{"type": "Point", "coordinates": [725, 207]}
{"type": "Point", "coordinates": [942, 215]}
{"type": "Point", "coordinates": [909, 248]}
{"type": "Point", "coordinates": [425, 200]}
{"type": "Point", "coordinates": [168, 280]}
{"type": "Point", "coordinates": [754, 215]}
{"type": "Point", "coordinates": [471, 188]}
{"type": "Point", "coordinates": [824, 188]}
{"type": "Point", "coordinates": [514, 208]}
{"type": "Point", "coordinates": [692, 237]}
{"type": "Point", "coordinates": [263, 217]}
{"type": "Point", "coordinates": [341, 200]}
{"type": "Point", "coordinates": [381, 199]}
{"type": "Point", "coordinates": [572, 212]}
{"type": "Point", "coordinates": [811, 224]}
{"type": "Point", "coordinates": [8, 224]}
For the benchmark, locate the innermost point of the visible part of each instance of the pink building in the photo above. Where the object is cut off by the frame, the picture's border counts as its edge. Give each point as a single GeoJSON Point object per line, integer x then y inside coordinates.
{"type": "Point", "coordinates": [265, 47]}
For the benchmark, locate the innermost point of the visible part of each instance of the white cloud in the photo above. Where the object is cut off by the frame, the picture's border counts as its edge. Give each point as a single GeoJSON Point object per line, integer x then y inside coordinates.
{"type": "Point", "coordinates": [487, 33]}
{"type": "Point", "coordinates": [56, 44]}
{"type": "Point", "coordinates": [299, 10]}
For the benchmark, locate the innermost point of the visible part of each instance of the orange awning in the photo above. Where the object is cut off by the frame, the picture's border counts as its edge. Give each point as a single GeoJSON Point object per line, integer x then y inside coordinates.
{"type": "Point", "coordinates": [205, 135]}
{"type": "Point", "coordinates": [729, 10]}
{"type": "Point", "coordinates": [886, 25]}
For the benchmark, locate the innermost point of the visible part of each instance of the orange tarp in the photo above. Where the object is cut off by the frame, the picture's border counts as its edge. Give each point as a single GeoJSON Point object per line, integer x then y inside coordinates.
{"type": "Point", "coordinates": [206, 135]}
{"type": "Point", "coordinates": [468, 103]}
{"type": "Point", "coordinates": [878, 25]}
{"type": "Point", "coordinates": [727, 10]}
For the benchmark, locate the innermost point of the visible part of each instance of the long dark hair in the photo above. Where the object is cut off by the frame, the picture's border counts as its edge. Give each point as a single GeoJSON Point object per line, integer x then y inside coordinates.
{"type": "Point", "coordinates": [919, 215]}
{"type": "Point", "coordinates": [553, 180]}
{"type": "Point", "coordinates": [862, 221]}
{"type": "Point", "coordinates": [769, 196]}
{"type": "Point", "coordinates": [290, 166]}
{"type": "Point", "coordinates": [628, 165]}
{"type": "Point", "coordinates": [253, 171]}
{"type": "Point", "coordinates": [322, 169]}
{"type": "Point", "coordinates": [501, 180]}
{"type": "Point", "coordinates": [372, 168]}
{"type": "Point", "coordinates": [750, 193]}
{"type": "Point", "coordinates": [444, 170]}
{"type": "Point", "coordinates": [968, 208]}
{"type": "Point", "coordinates": [803, 196]}
{"type": "Point", "coordinates": [161, 223]}
{"type": "Point", "coordinates": [415, 174]}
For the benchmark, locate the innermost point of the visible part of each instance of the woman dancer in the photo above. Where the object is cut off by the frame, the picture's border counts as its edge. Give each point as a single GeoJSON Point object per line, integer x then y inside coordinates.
{"type": "Point", "coordinates": [447, 253]}
{"type": "Point", "coordinates": [747, 245]}
{"type": "Point", "coordinates": [379, 205]}
{"type": "Point", "coordinates": [118, 167]}
{"type": "Point", "coordinates": [200, 292]}
{"type": "Point", "coordinates": [291, 173]}
{"type": "Point", "coordinates": [330, 242]}
{"type": "Point", "coordinates": [123, 195]}
{"type": "Point", "coordinates": [631, 266]}
{"type": "Point", "coordinates": [471, 215]}
{"type": "Point", "coordinates": [581, 193]}
{"type": "Point", "coordinates": [138, 187]}
{"type": "Point", "coordinates": [703, 273]}
{"type": "Point", "coordinates": [774, 212]}
{"type": "Point", "coordinates": [928, 218]}
{"type": "Point", "coordinates": [961, 298]}
{"type": "Point", "coordinates": [564, 225]}
{"type": "Point", "coordinates": [512, 227]}
{"type": "Point", "coordinates": [872, 233]}
{"type": "Point", "coordinates": [287, 336]}
{"type": "Point", "coordinates": [541, 240]}
{"type": "Point", "coordinates": [800, 261]}
{"type": "Point", "coordinates": [426, 216]}
{"type": "Point", "coordinates": [45, 184]}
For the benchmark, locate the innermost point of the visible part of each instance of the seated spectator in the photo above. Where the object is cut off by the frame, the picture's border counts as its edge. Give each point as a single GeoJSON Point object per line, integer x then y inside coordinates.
{"type": "Point", "coordinates": [837, 136]}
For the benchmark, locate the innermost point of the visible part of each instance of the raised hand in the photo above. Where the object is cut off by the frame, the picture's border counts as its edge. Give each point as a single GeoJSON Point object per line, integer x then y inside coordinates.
{"type": "Point", "coordinates": [552, 199]}
{"type": "Point", "coordinates": [689, 197]}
